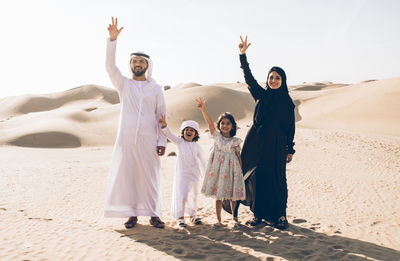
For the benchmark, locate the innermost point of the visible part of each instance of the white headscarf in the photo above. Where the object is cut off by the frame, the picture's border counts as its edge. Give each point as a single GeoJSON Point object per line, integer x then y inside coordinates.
{"type": "Point", "coordinates": [150, 63]}
{"type": "Point", "coordinates": [191, 124]}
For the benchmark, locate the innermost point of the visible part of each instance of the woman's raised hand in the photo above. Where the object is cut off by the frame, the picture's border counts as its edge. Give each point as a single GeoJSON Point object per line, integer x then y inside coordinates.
{"type": "Point", "coordinates": [243, 45]}
{"type": "Point", "coordinates": [113, 29]}
{"type": "Point", "coordinates": [201, 104]}
{"type": "Point", "coordinates": [163, 121]}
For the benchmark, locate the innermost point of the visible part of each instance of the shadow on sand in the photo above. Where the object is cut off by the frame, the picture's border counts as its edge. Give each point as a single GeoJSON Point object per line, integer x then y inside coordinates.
{"type": "Point", "coordinates": [263, 242]}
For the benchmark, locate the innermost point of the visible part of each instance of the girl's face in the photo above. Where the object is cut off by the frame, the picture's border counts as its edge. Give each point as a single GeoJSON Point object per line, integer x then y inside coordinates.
{"type": "Point", "coordinates": [274, 80]}
{"type": "Point", "coordinates": [189, 134]}
{"type": "Point", "coordinates": [225, 126]}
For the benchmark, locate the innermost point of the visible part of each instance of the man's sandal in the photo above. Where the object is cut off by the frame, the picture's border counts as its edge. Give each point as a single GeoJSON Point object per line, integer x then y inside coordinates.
{"type": "Point", "coordinates": [156, 222]}
{"type": "Point", "coordinates": [132, 221]}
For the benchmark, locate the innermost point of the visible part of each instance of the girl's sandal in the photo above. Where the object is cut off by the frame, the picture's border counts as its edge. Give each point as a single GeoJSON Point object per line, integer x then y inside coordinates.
{"type": "Point", "coordinates": [219, 225]}
{"type": "Point", "coordinates": [254, 222]}
{"type": "Point", "coordinates": [237, 225]}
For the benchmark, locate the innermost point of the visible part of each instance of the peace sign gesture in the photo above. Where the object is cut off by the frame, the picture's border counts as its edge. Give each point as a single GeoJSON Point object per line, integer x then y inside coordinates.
{"type": "Point", "coordinates": [201, 104]}
{"type": "Point", "coordinates": [113, 29]}
{"type": "Point", "coordinates": [243, 45]}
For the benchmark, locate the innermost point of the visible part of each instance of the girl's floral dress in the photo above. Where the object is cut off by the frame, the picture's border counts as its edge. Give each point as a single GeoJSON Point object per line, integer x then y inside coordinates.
{"type": "Point", "coordinates": [224, 177]}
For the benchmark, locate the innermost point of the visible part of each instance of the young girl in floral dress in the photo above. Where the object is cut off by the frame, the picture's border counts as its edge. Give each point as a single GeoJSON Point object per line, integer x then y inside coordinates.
{"type": "Point", "coordinates": [223, 178]}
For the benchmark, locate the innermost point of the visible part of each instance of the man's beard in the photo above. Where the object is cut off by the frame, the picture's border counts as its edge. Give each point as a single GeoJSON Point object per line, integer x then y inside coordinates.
{"type": "Point", "coordinates": [139, 73]}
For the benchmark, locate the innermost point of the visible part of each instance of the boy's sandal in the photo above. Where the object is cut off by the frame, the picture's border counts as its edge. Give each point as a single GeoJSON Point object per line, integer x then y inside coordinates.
{"type": "Point", "coordinates": [282, 223]}
{"type": "Point", "coordinates": [196, 221]}
{"type": "Point", "coordinates": [181, 222]}
{"type": "Point", "coordinates": [132, 221]}
{"type": "Point", "coordinates": [156, 222]}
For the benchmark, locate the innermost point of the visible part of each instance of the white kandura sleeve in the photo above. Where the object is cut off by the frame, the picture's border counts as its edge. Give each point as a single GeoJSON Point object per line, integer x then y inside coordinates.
{"type": "Point", "coordinates": [115, 75]}
{"type": "Point", "coordinates": [172, 137]}
{"type": "Point", "coordinates": [160, 111]}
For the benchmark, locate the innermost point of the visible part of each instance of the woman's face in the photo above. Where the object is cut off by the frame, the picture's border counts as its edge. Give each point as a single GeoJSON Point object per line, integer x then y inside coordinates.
{"type": "Point", "coordinates": [274, 80]}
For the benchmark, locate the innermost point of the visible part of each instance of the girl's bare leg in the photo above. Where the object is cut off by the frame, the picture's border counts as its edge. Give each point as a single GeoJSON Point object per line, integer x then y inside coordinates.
{"type": "Point", "coordinates": [218, 208]}
{"type": "Point", "coordinates": [233, 206]}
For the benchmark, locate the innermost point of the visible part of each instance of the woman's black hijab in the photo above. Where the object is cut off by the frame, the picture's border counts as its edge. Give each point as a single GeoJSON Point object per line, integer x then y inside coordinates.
{"type": "Point", "coordinates": [278, 104]}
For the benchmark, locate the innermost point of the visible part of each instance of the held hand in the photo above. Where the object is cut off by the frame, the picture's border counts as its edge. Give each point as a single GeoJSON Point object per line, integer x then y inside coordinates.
{"type": "Point", "coordinates": [243, 45]}
{"type": "Point", "coordinates": [289, 158]}
{"type": "Point", "coordinates": [160, 150]}
{"type": "Point", "coordinates": [163, 121]}
{"type": "Point", "coordinates": [201, 104]}
{"type": "Point", "coordinates": [113, 29]}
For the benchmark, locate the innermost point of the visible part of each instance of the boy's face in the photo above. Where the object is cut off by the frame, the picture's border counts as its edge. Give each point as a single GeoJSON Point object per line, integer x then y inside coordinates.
{"type": "Point", "coordinates": [189, 134]}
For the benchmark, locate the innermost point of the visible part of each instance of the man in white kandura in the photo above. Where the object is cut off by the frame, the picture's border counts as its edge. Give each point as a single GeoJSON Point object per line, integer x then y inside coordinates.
{"type": "Point", "coordinates": [134, 181]}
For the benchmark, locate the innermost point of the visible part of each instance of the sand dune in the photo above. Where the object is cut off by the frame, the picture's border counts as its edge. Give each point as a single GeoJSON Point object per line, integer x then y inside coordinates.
{"type": "Point", "coordinates": [316, 86]}
{"type": "Point", "coordinates": [86, 115]}
{"type": "Point", "coordinates": [343, 181]}
{"type": "Point", "coordinates": [12, 106]}
{"type": "Point", "coordinates": [181, 104]}
{"type": "Point", "coordinates": [371, 107]}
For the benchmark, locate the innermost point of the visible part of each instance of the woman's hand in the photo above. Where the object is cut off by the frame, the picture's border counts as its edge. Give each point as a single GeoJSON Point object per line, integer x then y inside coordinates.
{"type": "Point", "coordinates": [289, 158]}
{"type": "Point", "coordinates": [243, 45]}
{"type": "Point", "coordinates": [163, 121]}
{"type": "Point", "coordinates": [113, 29]}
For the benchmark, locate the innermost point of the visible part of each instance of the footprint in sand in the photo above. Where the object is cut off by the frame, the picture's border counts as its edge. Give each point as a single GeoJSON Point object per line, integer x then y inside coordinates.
{"type": "Point", "coordinates": [178, 251]}
{"type": "Point", "coordinates": [299, 220]}
{"type": "Point", "coordinates": [91, 109]}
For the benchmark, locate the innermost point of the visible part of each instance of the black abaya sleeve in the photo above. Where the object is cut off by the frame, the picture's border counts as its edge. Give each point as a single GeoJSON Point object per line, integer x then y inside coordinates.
{"type": "Point", "coordinates": [255, 89]}
{"type": "Point", "coordinates": [290, 135]}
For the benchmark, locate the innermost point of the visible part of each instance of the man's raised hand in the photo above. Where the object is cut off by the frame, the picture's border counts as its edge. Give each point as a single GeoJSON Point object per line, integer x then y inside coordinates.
{"type": "Point", "coordinates": [113, 29]}
{"type": "Point", "coordinates": [243, 45]}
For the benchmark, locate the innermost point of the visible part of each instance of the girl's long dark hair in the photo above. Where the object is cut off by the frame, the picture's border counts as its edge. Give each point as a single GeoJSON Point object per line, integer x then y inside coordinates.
{"type": "Point", "coordinates": [227, 115]}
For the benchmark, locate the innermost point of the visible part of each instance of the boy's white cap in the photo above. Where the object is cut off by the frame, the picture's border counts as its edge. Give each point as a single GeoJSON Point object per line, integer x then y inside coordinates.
{"type": "Point", "coordinates": [191, 124]}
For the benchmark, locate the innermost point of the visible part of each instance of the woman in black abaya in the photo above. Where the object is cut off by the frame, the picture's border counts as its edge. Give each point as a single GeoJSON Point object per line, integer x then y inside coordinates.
{"type": "Point", "coordinates": [268, 145]}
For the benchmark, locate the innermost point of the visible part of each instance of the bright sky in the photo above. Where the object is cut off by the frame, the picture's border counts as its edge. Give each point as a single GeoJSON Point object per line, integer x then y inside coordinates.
{"type": "Point", "coordinates": [54, 45]}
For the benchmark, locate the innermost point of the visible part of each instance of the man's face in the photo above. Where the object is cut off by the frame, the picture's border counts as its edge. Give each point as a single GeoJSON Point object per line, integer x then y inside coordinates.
{"type": "Point", "coordinates": [139, 65]}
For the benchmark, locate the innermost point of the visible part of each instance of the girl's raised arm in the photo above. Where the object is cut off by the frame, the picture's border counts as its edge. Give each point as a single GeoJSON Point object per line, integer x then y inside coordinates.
{"type": "Point", "coordinates": [202, 106]}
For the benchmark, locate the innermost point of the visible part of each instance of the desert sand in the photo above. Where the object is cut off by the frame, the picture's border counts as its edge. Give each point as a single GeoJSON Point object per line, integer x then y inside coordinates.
{"type": "Point", "coordinates": [344, 182]}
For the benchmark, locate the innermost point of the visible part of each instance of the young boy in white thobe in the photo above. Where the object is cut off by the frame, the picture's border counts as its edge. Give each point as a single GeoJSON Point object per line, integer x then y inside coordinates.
{"type": "Point", "coordinates": [189, 171]}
